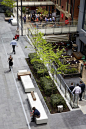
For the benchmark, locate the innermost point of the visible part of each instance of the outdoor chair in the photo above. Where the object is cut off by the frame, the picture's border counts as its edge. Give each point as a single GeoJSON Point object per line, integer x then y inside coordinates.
{"type": "Point", "coordinates": [83, 58]}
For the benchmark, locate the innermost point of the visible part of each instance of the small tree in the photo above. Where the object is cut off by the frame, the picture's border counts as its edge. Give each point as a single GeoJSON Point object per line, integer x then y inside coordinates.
{"type": "Point", "coordinates": [42, 11]}
{"type": "Point", "coordinates": [8, 3]}
{"type": "Point", "coordinates": [45, 52]}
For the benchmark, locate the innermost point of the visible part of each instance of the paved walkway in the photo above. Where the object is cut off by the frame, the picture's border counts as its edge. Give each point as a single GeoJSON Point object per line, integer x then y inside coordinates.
{"type": "Point", "coordinates": [14, 107]}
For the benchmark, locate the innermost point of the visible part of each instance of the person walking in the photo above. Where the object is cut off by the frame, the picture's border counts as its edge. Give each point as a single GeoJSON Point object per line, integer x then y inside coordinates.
{"type": "Point", "coordinates": [17, 34]}
{"type": "Point", "coordinates": [34, 114]}
{"type": "Point", "coordinates": [13, 43]}
{"type": "Point", "coordinates": [71, 87]}
{"type": "Point", "coordinates": [82, 85]}
{"type": "Point", "coordinates": [10, 59]}
{"type": "Point", "coordinates": [24, 18]}
{"type": "Point", "coordinates": [77, 92]}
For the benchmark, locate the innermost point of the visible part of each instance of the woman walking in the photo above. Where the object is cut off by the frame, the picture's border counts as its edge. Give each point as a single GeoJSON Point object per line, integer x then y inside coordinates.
{"type": "Point", "coordinates": [10, 59]}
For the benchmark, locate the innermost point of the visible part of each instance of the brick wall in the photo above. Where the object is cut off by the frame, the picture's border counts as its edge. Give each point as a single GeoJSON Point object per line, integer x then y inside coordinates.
{"type": "Point", "coordinates": [76, 9]}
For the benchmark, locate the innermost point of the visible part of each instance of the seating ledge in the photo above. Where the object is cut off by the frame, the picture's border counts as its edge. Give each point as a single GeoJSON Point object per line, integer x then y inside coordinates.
{"type": "Point", "coordinates": [38, 105]}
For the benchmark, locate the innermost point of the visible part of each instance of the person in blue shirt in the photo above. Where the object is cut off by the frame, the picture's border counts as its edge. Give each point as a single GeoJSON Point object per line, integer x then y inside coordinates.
{"type": "Point", "coordinates": [13, 43]}
{"type": "Point", "coordinates": [34, 114]}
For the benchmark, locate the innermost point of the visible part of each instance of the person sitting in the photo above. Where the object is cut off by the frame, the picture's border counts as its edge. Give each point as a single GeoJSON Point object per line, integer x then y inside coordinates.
{"type": "Point", "coordinates": [53, 19]}
{"type": "Point", "coordinates": [37, 19]}
{"type": "Point", "coordinates": [10, 19]}
{"type": "Point", "coordinates": [50, 19]}
{"type": "Point", "coordinates": [46, 19]}
{"type": "Point", "coordinates": [35, 114]}
{"type": "Point", "coordinates": [71, 87]}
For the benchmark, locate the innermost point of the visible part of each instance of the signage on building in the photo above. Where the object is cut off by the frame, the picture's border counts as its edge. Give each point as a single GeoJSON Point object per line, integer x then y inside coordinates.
{"type": "Point", "coordinates": [62, 15]}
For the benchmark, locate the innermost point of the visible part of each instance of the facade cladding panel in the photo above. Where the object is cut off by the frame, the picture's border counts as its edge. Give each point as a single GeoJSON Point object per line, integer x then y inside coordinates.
{"type": "Point", "coordinates": [76, 9]}
{"type": "Point", "coordinates": [81, 40]}
{"type": "Point", "coordinates": [66, 8]}
{"type": "Point", "coordinates": [84, 18]}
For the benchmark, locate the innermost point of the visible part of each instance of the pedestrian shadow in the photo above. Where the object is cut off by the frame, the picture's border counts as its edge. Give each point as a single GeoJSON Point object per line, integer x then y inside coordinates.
{"type": "Point", "coordinates": [10, 53]}
{"type": "Point", "coordinates": [6, 71]}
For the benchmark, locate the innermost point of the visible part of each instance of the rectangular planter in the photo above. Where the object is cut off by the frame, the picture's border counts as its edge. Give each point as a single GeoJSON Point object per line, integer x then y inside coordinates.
{"type": "Point", "coordinates": [71, 75]}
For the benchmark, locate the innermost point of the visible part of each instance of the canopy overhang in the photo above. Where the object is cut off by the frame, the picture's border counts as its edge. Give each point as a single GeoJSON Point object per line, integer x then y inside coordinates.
{"type": "Point", "coordinates": [30, 4]}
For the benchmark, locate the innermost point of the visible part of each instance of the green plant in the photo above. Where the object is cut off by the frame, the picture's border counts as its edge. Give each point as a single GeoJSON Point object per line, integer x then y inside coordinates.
{"type": "Point", "coordinates": [25, 46]}
{"type": "Point", "coordinates": [8, 13]}
{"type": "Point", "coordinates": [8, 3]}
{"type": "Point", "coordinates": [69, 71]}
{"type": "Point", "coordinates": [47, 84]}
{"type": "Point", "coordinates": [31, 55]}
{"type": "Point", "coordinates": [57, 99]}
{"type": "Point", "coordinates": [45, 98]}
{"type": "Point", "coordinates": [42, 11]}
{"type": "Point", "coordinates": [23, 9]}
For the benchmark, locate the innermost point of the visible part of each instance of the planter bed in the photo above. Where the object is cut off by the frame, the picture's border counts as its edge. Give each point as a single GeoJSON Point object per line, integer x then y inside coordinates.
{"type": "Point", "coordinates": [47, 97]}
{"type": "Point", "coordinates": [71, 75]}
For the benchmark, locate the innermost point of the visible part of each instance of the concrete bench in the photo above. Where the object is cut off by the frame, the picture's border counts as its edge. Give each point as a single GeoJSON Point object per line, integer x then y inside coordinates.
{"type": "Point", "coordinates": [27, 83]}
{"type": "Point", "coordinates": [14, 22]}
{"type": "Point", "coordinates": [20, 71]}
{"type": "Point", "coordinates": [23, 73]}
{"type": "Point", "coordinates": [7, 18]}
{"type": "Point", "coordinates": [38, 105]}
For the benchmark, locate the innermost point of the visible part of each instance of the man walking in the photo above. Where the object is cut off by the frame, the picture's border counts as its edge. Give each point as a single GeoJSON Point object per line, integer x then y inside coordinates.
{"type": "Point", "coordinates": [77, 91]}
{"type": "Point", "coordinates": [82, 85]}
{"type": "Point", "coordinates": [13, 43]}
{"type": "Point", "coordinates": [71, 87]}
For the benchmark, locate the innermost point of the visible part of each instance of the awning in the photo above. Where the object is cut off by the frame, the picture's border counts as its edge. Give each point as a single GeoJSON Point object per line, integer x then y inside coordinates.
{"type": "Point", "coordinates": [29, 4]}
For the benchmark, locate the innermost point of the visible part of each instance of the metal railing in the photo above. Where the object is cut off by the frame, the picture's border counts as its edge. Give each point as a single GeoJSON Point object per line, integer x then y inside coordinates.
{"type": "Point", "coordinates": [61, 84]}
{"type": "Point", "coordinates": [49, 27]}
{"type": "Point", "coordinates": [53, 27]}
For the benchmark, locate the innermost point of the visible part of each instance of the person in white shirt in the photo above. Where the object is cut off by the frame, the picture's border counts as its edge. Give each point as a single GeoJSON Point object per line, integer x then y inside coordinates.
{"type": "Point", "coordinates": [53, 19]}
{"type": "Point", "coordinates": [77, 91]}
{"type": "Point", "coordinates": [10, 18]}
{"type": "Point", "coordinates": [13, 43]}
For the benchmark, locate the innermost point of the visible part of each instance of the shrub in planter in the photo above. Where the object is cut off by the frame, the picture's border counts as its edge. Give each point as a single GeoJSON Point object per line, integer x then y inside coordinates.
{"type": "Point", "coordinates": [74, 70]}
{"type": "Point", "coordinates": [48, 85]}
{"type": "Point", "coordinates": [38, 66]}
{"type": "Point", "coordinates": [69, 71]}
{"type": "Point", "coordinates": [40, 69]}
{"type": "Point", "coordinates": [57, 99]}
{"type": "Point", "coordinates": [34, 59]}
{"type": "Point", "coordinates": [32, 55]}
{"type": "Point", "coordinates": [42, 72]}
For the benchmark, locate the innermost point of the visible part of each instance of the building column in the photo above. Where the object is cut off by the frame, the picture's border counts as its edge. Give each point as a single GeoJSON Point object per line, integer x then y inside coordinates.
{"type": "Point", "coordinates": [78, 42]}
{"type": "Point", "coordinates": [21, 20]}
{"type": "Point", "coordinates": [49, 11]}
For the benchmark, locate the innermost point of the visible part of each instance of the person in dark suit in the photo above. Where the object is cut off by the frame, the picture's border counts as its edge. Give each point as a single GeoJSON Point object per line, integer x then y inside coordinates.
{"type": "Point", "coordinates": [71, 87]}
{"type": "Point", "coordinates": [82, 85]}
{"type": "Point", "coordinates": [35, 114]}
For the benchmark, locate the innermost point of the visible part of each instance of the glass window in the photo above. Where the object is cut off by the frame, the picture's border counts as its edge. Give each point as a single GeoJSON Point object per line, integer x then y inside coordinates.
{"type": "Point", "coordinates": [67, 4]}
{"type": "Point", "coordinates": [84, 20]}
{"type": "Point", "coordinates": [60, 2]}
